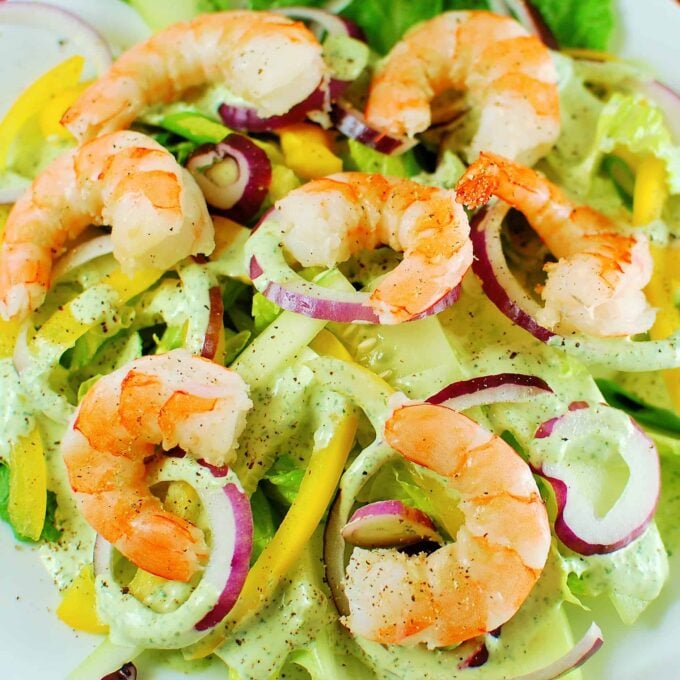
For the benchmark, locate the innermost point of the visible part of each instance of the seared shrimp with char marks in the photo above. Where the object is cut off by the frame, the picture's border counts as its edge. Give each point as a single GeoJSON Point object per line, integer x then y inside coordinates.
{"type": "Point", "coordinates": [125, 180]}
{"type": "Point", "coordinates": [596, 285]}
{"type": "Point", "coordinates": [507, 76]}
{"type": "Point", "coordinates": [474, 585]}
{"type": "Point", "coordinates": [266, 59]}
{"type": "Point", "coordinates": [327, 220]}
{"type": "Point", "coordinates": [172, 399]}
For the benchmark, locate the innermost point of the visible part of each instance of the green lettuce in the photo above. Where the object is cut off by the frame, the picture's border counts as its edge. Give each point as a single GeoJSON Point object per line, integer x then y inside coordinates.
{"type": "Point", "coordinates": [364, 159]}
{"type": "Point", "coordinates": [587, 24]}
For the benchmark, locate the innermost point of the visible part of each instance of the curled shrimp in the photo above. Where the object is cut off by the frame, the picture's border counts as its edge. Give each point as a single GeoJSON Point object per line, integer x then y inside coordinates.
{"type": "Point", "coordinates": [172, 399]}
{"type": "Point", "coordinates": [266, 59]}
{"type": "Point", "coordinates": [468, 587]}
{"type": "Point", "coordinates": [596, 285]}
{"type": "Point", "coordinates": [125, 180]}
{"type": "Point", "coordinates": [507, 76]}
{"type": "Point", "coordinates": [327, 220]}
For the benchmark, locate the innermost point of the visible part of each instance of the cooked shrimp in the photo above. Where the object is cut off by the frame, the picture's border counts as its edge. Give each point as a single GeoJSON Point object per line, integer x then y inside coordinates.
{"type": "Point", "coordinates": [172, 399]}
{"type": "Point", "coordinates": [469, 587]}
{"type": "Point", "coordinates": [597, 284]}
{"type": "Point", "coordinates": [327, 220]}
{"type": "Point", "coordinates": [266, 59]}
{"type": "Point", "coordinates": [507, 76]}
{"type": "Point", "coordinates": [125, 180]}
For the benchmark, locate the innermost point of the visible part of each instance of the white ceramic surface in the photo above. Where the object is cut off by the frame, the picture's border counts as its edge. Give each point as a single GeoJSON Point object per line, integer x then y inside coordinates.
{"type": "Point", "coordinates": [35, 645]}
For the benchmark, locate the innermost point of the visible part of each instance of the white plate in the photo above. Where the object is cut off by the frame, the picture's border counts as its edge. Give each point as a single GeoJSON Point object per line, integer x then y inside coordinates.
{"type": "Point", "coordinates": [34, 644]}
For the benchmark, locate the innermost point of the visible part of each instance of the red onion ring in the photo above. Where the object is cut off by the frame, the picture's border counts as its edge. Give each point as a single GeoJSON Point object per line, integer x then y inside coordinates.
{"type": "Point", "coordinates": [127, 671]}
{"type": "Point", "coordinates": [329, 22]}
{"type": "Point", "coordinates": [56, 19]}
{"type": "Point", "coordinates": [246, 119]}
{"type": "Point", "coordinates": [228, 511]}
{"type": "Point", "coordinates": [575, 657]}
{"type": "Point", "coordinates": [510, 298]}
{"type": "Point", "coordinates": [490, 389]}
{"type": "Point", "coordinates": [241, 198]}
{"type": "Point", "coordinates": [351, 123]}
{"type": "Point", "coordinates": [577, 525]}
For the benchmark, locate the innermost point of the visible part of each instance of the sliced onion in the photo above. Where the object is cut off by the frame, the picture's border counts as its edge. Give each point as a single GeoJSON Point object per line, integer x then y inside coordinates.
{"type": "Point", "coordinates": [58, 20]}
{"type": "Point", "coordinates": [327, 21]}
{"type": "Point", "coordinates": [81, 254]}
{"type": "Point", "coordinates": [530, 17]}
{"type": "Point", "coordinates": [246, 119]}
{"type": "Point", "coordinates": [352, 124]}
{"type": "Point", "coordinates": [575, 657]}
{"type": "Point", "coordinates": [577, 524]}
{"type": "Point", "coordinates": [388, 524]}
{"type": "Point", "coordinates": [503, 289]}
{"type": "Point", "coordinates": [22, 356]}
{"type": "Point", "coordinates": [478, 656]}
{"type": "Point", "coordinates": [213, 332]}
{"type": "Point", "coordinates": [231, 527]}
{"type": "Point", "coordinates": [668, 100]}
{"type": "Point", "coordinates": [127, 671]}
{"type": "Point", "coordinates": [234, 176]}
{"type": "Point", "coordinates": [490, 389]}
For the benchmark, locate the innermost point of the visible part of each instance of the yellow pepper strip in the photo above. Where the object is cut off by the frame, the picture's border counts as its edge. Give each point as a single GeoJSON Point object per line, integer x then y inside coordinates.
{"type": "Point", "coordinates": [34, 98]}
{"type": "Point", "coordinates": [78, 604]}
{"type": "Point", "coordinates": [592, 55]}
{"type": "Point", "coordinates": [326, 344]}
{"type": "Point", "coordinates": [650, 191]}
{"type": "Point", "coordinates": [308, 151]}
{"type": "Point", "coordinates": [9, 330]}
{"type": "Point", "coordinates": [63, 328]}
{"type": "Point", "coordinates": [316, 491]}
{"type": "Point", "coordinates": [28, 485]}
{"type": "Point", "coordinates": [661, 294]}
{"type": "Point", "coordinates": [52, 113]}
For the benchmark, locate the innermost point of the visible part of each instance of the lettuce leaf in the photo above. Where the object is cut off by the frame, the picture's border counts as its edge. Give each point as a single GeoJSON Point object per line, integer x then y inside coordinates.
{"type": "Point", "coordinates": [365, 159]}
{"type": "Point", "coordinates": [578, 24]}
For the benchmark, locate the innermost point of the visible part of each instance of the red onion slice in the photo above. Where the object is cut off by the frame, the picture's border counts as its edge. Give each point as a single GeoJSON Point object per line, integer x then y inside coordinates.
{"type": "Point", "coordinates": [234, 176]}
{"type": "Point", "coordinates": [478, 656]}
{"type": "Point", "coordinates": [352, 124]}
{"type": "Point", "coordinates": [490, 389]}
{"type": "Point", "coordinates": [577, 524]}
{"type": "Point", "coordinates": [575, 657]}
{"type": "Point", "coordinates": [63, 22]}
{"type": "Point", "coordinates": [127, 671]}
{"type": "Point", "coordinates": [327, 21]}
{"type": "Point", "coordinates": [503, 289]}
{"type": "Point", "coordinates": [213, 332]}
{"type": "Point", "coordinates": [231, 527]}
{"type": "Point", "coordinates": [388, 524]}
{"type": "Point", "coordinates": [246, 119]}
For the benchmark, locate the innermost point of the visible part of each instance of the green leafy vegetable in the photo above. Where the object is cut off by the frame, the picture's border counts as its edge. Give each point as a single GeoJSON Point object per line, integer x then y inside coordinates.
{"type": "Point", "coordinates": [365, 159]}
{"type": "Point", "coordinates": [652, 416]}
{"type": "Point", "coordinates": [234, 344]}
{"type": "Point", "coordinates": [264, 526]}
{"type": "Point", "coordinates": [264, 311]}
{"type": "Point", "coordinates": [587, 24]}
{"type": "Point", "coordinates": [49, 532]}
{"type": "Point", "coordinates": [285, 476]}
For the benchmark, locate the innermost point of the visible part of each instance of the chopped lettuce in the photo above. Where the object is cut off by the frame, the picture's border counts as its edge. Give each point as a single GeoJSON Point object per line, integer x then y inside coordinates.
{"type": "Point", "coordinates": [579, 24]}
{"type": "Point", "coordinates": [264, 311]}
{"type": "Point", "coordinates": [364, 159]}
{"type": "Point", "coordinates": [285, 476]}
{"type": "Point", "coordinates": [264, 525]}
{"type": "Point", "coordinates": [631, 577]}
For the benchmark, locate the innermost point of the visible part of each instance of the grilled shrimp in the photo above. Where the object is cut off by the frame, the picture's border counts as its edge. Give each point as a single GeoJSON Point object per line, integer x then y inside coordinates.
{"type": "Point", "coordinates": [474, 585]}
{"type": "Point", "coordinates": [266, 59]}
{"type": "Point", "coordinates": [327, 220]}
{"type": "Point", "coordinates": [596, 285]}
{"type": "Point", "coordinates": [125, 180]}
{"type": "Point", "coordinates": [172, 399]}
{"type": "Point", "coordinates": [507, 76]}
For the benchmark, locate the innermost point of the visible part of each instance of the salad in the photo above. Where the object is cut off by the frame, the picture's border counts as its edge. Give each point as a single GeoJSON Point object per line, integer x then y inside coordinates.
{"type": "Point", "coordinates": [343, 340]}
